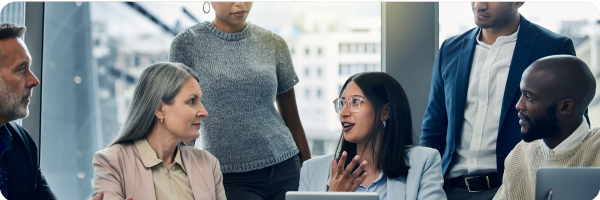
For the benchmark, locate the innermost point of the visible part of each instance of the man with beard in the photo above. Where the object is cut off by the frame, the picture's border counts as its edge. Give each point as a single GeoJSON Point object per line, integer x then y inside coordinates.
{"type": "Point", "coordinates": [470, 118]}
{"type": "Point", "coordinates": [556, 91]}
{"type": "Point", "coordinates": [20, 173]}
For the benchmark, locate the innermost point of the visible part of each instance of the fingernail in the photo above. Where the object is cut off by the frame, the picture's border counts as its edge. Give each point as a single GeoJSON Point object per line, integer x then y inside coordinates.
{"type": "Point", "coordinates": [356, 157]}
{"type": "Point", "coordinates": [344, 153]}
{"type": "Point", "coordinates": [364, 162]}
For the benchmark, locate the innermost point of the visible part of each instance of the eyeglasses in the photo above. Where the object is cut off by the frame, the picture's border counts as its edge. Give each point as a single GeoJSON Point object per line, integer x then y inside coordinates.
{"type": "Point", "coordinates": [354, 105]}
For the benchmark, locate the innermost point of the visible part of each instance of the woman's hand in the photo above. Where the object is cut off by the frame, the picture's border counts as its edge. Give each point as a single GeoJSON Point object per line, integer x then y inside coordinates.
{"type": "Point", "coordinates": [345, 180]}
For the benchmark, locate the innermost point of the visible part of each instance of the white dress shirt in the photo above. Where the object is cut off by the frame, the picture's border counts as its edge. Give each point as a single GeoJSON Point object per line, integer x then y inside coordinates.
{"type": "Point", "coordinates": [476, 147]}
{"type": "Point", "coordinates": [572, 141]}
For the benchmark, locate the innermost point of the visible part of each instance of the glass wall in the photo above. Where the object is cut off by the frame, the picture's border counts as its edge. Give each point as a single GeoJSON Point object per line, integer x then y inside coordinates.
{"type": "Point", "coordinates": [93, 55]}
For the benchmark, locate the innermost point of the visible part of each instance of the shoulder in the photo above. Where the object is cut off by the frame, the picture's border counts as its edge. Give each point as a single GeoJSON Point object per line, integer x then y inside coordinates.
{"type": "Point", "coordinates": [15, 129]}
{"type": "Point", "coordinates": [420, 155]}
{"type": "Point", "coordinates": [266, 35]}
{"type": "Point", "coordinates": [191, 32]}
{"type": "Point", "coordinates": [530, 28]}
{"type": "Point", "coordinates": [320, 160]}
{"type": "Point", "coordinates": [594, 137]}
{"type": "Point", "coordinates": [320, 165]}
{"type": "Point", "coordinates": [115, 152]}
{"type": "Point", "coordinates": [458, 39]}
{"type": "Point", "coordinates": [198, 154]}
{"type": "Point", "coordinates": [19, 133]}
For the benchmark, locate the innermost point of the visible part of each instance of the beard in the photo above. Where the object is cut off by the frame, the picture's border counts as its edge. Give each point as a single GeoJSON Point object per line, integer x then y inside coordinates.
{"type": "Point", "coordinates": [542, 127]}
{"type": "Point", "coordinates": [11, 103]}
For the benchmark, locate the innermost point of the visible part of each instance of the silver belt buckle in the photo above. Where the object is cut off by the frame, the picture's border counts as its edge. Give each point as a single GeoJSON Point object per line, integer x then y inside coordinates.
{"type": "Point", "coordinates": [467, 183]}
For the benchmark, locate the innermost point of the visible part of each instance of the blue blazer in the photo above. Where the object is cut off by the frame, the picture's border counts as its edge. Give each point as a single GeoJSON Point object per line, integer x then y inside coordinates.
{"type": "Point", "coordinates": [424, 180]}
{"type": "Point", "coordinates": [444, 116]}
{"type": "Point", "coordinates": [25, 179]}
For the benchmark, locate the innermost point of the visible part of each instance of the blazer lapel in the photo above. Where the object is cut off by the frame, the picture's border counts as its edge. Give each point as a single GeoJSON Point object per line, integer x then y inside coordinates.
{"type": "Point", "coordinates": [520, 61]}
{"type": "Point", "coordinates": [196, 174]}
{"type": "Point", "coordinates": [463, 71]}
{"type": "Point", "coordinates": [396, 188]}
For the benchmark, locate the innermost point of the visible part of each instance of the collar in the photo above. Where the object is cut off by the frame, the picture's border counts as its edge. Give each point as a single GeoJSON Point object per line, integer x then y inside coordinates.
{"type": "Point", "coordinates": [572, 141]}
{"type": "Point", "coordinates": [500, 40]}
{"type": "Point", "coordinates": [149, 157]}
{"type": "Point", "coordinates": [229, 36]}
{"type": "Point", "coordinates": [5, 135]}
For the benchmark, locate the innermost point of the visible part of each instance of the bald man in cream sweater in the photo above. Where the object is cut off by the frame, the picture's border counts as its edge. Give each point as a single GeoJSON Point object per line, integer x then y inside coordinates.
{"type": "Point", "coordinates": [556, 92]}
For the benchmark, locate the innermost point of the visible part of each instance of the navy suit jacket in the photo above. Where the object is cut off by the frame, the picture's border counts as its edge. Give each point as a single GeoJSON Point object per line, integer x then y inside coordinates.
{"type": "Point", "coordinates": [25, 179]}
{"type": "Point", "coordinates": [444, 116]}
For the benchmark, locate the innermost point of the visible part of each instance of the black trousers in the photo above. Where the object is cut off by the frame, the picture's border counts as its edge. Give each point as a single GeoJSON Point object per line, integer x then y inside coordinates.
{"type": "Point", "coordinates": [457, 193]}
{"type": "Point", "coordinates": [270, 183]}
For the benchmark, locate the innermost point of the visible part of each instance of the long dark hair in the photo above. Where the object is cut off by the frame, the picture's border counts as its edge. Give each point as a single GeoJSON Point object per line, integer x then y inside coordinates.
{"type": "Point", "coordinates": [381, 88]}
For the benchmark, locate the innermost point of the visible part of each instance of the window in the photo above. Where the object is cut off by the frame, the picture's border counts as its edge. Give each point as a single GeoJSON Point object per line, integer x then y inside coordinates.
{"type": "Point", "coordinates": [94, 66]}
{"type": "Point", "coordinates": [13, 12]}
{"type": "Point", "coordinates": [319, 72]}
{"type": "Point", "coordinates": [318, 93]}
{"type": "Point", "coordinates": [306, 71]}
{"type": "Point", "coordinates": [307, 51]}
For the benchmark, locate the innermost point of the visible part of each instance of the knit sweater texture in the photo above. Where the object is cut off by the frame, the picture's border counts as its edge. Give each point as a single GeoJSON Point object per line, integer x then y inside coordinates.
{"type": "Point", "coordinates": [524, 160]}
{"type": "Point", "coordinates": [240, 77]}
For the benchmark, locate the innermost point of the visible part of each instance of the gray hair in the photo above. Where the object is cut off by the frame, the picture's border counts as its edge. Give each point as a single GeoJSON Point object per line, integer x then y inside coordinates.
{"type": "Point", "coordinates": [159, 82]}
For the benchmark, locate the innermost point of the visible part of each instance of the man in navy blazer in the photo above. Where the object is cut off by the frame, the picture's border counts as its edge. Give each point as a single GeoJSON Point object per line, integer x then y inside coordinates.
{"type": "Point", "coordinates": [471, 117]}
{"type": "Point", "coordinates": [20, 173]}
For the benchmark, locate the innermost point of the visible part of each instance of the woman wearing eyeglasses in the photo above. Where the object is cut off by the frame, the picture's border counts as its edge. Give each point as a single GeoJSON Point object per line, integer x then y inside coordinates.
{"type": "Point", "coordinates": [375, 151]}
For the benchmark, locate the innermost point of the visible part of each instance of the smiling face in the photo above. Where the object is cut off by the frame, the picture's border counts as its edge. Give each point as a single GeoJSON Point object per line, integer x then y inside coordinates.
{"type": "Point", "coordinates": [182, 118]}
{"type": "Point", "coordinates": [16, 80]}
{"type": "Point", "coordinates": [231, 16]}
{"type": "Point", "coordinates": [358, 124]}
{"type": "Point", "coordinates": [494, 14]}
{"type": "Point", "coordinates": [537, 108]}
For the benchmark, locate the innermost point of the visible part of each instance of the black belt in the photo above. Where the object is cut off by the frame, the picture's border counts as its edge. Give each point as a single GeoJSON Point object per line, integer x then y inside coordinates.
{"type": "Point", "coordinates": [475, 183]}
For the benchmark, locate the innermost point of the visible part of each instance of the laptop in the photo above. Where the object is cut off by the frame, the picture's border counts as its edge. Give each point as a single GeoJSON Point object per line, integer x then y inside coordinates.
{"type": "Point", "coordinates": [293, 195]}
{"type": "Point", "coordinates": [567, 183]}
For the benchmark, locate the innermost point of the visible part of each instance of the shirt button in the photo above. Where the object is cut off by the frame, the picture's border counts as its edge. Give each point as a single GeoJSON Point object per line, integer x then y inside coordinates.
{"type": "Point", "coordinates": [494, 50]}
{"type": "Point", "coordinates": [552, 152]}
{"type": "Point", "coordinates": [485, 76]}
{"type": "Point", "coordinates": [482, 107]}
{"type": "Point", "coordinates": [476, 134]}
{"type": "Point", "coordinates": [472, 161]}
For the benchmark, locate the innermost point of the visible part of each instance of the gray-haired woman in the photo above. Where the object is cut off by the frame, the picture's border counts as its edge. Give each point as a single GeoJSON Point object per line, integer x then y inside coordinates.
{"type": "Point", "coordinates": [149, 159]}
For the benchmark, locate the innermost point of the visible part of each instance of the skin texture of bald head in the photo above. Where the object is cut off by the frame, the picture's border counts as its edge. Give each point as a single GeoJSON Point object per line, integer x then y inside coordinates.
{"type": "Point", "coordinates": [556, 91]}
{"type": "Point", "coordinates": [566, 76]}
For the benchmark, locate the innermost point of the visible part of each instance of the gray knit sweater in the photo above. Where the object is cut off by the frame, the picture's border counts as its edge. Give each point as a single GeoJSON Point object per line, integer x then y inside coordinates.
{"type": "Point", "coordinates": [240, 76]}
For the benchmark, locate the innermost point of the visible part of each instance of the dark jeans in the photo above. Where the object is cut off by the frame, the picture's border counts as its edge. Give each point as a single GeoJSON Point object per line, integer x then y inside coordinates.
{"type": "Point", "coordinates": [269, 183]}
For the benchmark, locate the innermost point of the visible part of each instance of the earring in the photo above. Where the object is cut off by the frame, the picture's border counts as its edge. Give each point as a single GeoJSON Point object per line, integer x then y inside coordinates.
{"type": "Point", "coordinates": [161, 121]}
{"type": "Point", "coordinates": [204, 6]}
{"type": "Point", "coordinates": [383, 124]}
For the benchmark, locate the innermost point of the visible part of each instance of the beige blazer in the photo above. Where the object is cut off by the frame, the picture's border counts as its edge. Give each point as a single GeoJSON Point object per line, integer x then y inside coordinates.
{"type": "Point", "coordinates": [120, 173]}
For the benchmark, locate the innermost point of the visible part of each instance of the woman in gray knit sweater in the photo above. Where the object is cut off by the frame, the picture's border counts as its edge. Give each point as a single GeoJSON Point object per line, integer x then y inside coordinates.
{"type": "Point", "coordinates": [243, 70]}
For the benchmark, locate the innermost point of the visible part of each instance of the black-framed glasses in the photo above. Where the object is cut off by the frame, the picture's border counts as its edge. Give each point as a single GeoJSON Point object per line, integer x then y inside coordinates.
{"type": "Point", "coordinates": [354, 105]}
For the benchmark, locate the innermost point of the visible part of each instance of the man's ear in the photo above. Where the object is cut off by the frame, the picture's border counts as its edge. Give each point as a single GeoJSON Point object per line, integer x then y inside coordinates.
{"type": "Point", "coordinates": [566, 106]}
{"type": "Point", "coordinates": [385, 115]}
{"type": "Point", "coordinates": [160, 111]}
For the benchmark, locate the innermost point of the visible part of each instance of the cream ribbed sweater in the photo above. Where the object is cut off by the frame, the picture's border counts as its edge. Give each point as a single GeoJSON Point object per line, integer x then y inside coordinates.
{"type": "Point", "coordinates": [523, 161]}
